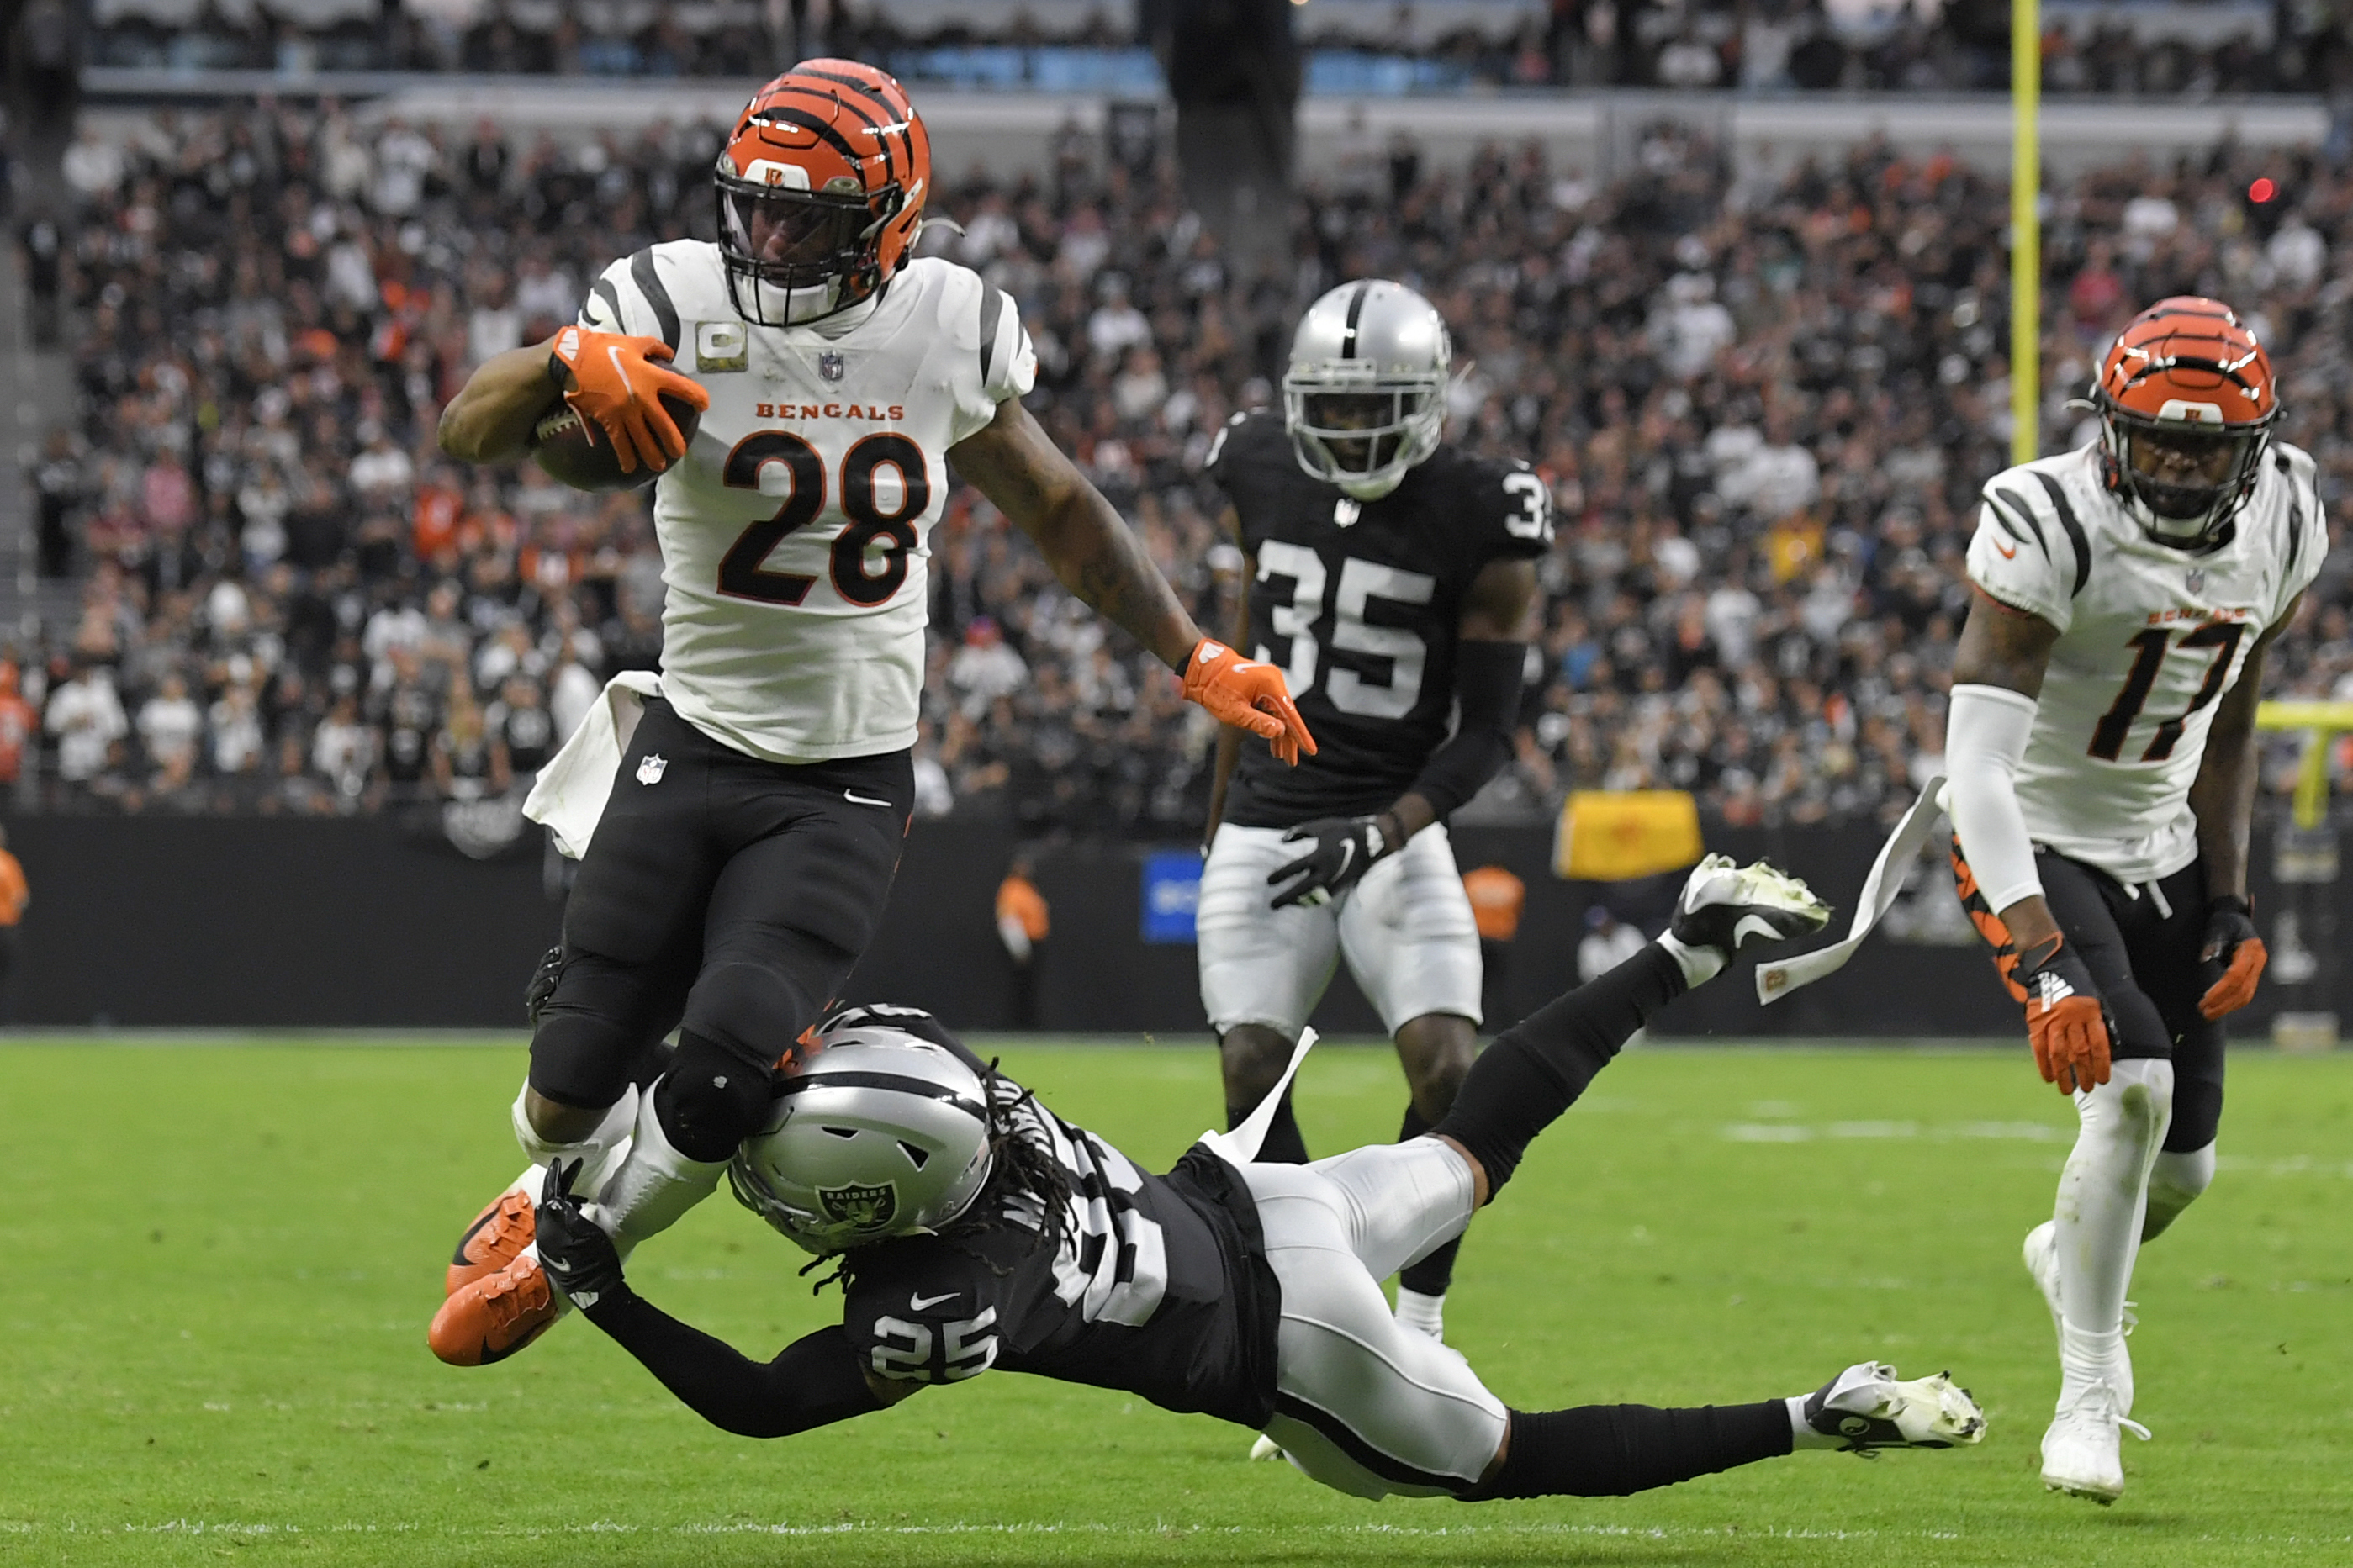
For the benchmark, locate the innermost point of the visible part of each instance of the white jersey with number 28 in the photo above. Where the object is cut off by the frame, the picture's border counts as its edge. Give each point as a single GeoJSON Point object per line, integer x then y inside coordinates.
{"type": "Point", "coordinates": [795, 531]}
{"type": "Point", "coordinates": [2150, 639]}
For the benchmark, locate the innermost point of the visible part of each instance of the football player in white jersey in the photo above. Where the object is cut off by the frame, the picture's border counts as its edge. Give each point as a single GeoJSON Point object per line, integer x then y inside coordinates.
{"type": "Point", "coordinates": [2101, 750]}
{"type": "Point", "coordinates": [740, 864]}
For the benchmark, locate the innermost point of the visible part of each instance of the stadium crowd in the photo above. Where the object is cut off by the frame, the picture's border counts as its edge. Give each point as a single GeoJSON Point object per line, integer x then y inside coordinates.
{"type": "Point", "coordinates": [1765, 410]}
{"type": "Point", "coordinates": [1771, 45]}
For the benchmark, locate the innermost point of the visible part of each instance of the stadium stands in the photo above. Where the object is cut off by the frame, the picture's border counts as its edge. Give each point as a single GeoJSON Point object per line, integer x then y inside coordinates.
{"type": "Point", "coordinates": [1764, 409]}
{"type": "Point", "coordinates": [2195, 49]}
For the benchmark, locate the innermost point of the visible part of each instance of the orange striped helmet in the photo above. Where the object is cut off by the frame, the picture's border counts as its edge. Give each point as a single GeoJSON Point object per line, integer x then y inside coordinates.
{"type": "Point", "coordinates": [821, 190]}
{"type": "Point", "coordinates": [2187, 402]}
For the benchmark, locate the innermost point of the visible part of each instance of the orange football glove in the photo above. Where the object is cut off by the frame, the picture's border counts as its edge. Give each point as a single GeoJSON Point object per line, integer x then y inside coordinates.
{"type": "Point", "coordinates": [615, 382]}
{"type": "Point", "coordinates": [2231, 940]}
{"type": "Point", "coordinates": [2066, 1021]}
{"type": "Point", "coordinates": [1248, 695]}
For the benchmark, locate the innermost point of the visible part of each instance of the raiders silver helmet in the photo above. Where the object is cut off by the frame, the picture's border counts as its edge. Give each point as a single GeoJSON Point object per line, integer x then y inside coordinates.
{"type": "Point", "coordinates": [880, 1134]}
{"type": "Point", "coordinates": [1365, 394]}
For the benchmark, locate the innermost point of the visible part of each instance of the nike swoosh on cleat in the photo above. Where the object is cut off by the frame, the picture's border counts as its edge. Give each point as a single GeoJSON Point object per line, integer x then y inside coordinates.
{"type": "Point", "coordinates": [923, 1303]}
{"type": "Point", "coordinates": [1753, 925]}
{"type": "Point", "coordinates": [854, 798]}
{"type": "Point", "coordinates": [458, 1256]}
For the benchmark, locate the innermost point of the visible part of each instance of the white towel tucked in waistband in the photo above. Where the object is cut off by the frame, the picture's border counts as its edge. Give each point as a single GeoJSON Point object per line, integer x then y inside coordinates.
{"type": "Point", "coordinates": [577, 781]}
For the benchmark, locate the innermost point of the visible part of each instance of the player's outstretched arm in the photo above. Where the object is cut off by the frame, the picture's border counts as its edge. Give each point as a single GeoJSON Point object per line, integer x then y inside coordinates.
{"type": "Point", "coordinates": [491, 419]}
{"type": "Point", "coordinates": [1097, 556]}
{"type": "Point", "coordinates": [1997, 671]}
{"type": "Point", "coordinates": [817, 1380]}
{"type": "Point", "coordinates": [2222, 797]}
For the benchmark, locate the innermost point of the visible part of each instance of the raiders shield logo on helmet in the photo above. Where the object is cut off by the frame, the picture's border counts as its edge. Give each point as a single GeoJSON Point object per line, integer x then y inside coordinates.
{"type": "Point", "coordinates": [867, 1209]}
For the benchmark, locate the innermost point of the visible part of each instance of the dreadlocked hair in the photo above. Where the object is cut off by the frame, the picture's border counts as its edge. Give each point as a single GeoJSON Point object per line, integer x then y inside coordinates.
{"type": "Point", "coordinates": [1025, 1174]}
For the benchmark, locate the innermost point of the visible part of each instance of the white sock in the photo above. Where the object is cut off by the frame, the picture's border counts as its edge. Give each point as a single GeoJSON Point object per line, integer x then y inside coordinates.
{"type": "Point", "coordinates": [1423, 1314]}
{"type": "Point", "coordinates": [2174, 1182]}
{"type": "Point", "coordinates": [654, 1186]}
{"type": "Point", "coordinates": [599, 1153]}
{"type": "Point", "coordinates": [1700, 964]}
{"type": "Point", "coordinates": [2101, 1193]}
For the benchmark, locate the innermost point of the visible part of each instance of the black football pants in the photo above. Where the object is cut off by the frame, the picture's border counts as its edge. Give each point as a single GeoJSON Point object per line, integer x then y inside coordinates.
{"type": "Point", "coordinates": [722, 894]}
{"type": "Point", "coordinates": [2141, 947]}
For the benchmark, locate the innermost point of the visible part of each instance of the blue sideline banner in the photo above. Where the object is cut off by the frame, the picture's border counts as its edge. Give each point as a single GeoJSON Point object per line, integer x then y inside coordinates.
{"type": "Point", "coordinates": [1172, 891]}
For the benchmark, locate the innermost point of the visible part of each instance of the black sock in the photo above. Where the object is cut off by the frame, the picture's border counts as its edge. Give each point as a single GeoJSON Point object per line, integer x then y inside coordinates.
{"type": "Point", "coordinates": [1612, 1450]}
{"type": "Point", "coordinates": [1432, 1274]}
{"type": "Point", "coordinates": [1283, 1144]}
{"type": "Point", "coordinates": [1537, 1067]}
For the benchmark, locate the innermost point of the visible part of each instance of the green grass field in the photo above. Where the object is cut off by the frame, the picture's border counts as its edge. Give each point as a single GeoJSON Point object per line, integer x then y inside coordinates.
{"type": "Point", "coordinates": [217, 1263]}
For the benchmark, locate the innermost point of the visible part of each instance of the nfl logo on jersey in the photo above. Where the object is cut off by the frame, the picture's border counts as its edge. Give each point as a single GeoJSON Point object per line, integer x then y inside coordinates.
{"type": "Point", "coordinates": [650, 767]}
{"type": "Point", "coordinates": [830, 365]}
{"type": "Point", "coordinates": [2196, 581]}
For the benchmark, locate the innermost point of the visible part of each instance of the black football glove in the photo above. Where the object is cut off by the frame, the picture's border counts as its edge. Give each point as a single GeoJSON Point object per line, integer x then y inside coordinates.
{"type": "Point", "coordinates": [1345, 848]}
{"type": "Point", "coordinates": [579, 1257]}
{"type": "Point", "coordinates": [2230, 941]}
{"type": "Point", "coordinates": [543, 983]}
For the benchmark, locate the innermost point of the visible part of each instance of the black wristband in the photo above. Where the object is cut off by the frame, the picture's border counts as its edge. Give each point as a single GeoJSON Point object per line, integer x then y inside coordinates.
{"type": "Point", "coordinates": [2232, 902]}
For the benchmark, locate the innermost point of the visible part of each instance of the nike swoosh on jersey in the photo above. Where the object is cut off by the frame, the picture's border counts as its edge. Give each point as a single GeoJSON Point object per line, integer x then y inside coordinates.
{"type": "Point", "coordinates": [2009, 552]}
{"type": "Point", "coordinates": [855, 798]}
{"type": "Point", "coordinates": [923, 1303]}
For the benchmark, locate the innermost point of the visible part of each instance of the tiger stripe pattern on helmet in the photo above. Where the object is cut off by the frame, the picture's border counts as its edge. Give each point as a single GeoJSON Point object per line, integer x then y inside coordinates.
{"type": "Point", "coordinates": [831, 134]}
{"type": "Point", "coordinates": [2185, 367]}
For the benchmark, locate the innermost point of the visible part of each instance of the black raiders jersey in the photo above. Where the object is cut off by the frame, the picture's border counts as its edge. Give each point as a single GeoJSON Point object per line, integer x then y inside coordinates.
{"type": "Point", "coordinates": [1157, 1286]}
{"type": "Point", "coordinates": [1358, 603]}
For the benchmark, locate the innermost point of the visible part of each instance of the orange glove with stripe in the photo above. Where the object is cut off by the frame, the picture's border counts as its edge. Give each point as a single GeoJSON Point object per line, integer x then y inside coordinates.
{"type": "Point", "coordinates": [2231, 940]}
{"type": "Point", "coordinates": [617, 382]}
{"type": "Point", "coordinates": [2066, 1022]}
{"type": "Point", "coordinates": [1248, 694]}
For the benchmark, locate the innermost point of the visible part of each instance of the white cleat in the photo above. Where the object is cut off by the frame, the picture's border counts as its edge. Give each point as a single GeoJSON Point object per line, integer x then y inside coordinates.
{"type": "Point", "coordinates": [1869, 1408]}
{"type": "Point", "coordinates": [2080, 1451]}
{"type": "Point", "coordinates": [1726, 906]}
{"type": "Point", "coordinates": [1266, 1448]}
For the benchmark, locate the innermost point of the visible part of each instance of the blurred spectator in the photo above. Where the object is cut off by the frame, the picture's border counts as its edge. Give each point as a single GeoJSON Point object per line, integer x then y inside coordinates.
{"type": "Point", "coordinates": [1497, 897]}
{"type": "Point", "coordinates": [170, 726]}
{"type": "Point", "coordinates": [57, 490]}
{"type": "Point", "coordinates": [15, 897]}
{"type": "Point", "coordinates": [1022, 926]}
{"type": "Point", "coordinates": [1606, 943]}
{"type": "Point", "coordinates": [984, 669]}
{"type": "Point", "coordinates": [20, 726]}
{"type": "Point", "coordinates": [87, 719]}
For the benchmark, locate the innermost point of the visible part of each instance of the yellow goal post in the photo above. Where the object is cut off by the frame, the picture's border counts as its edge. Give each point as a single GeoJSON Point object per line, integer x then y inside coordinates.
{"type": "Point", "coordinates": [2321, 724]}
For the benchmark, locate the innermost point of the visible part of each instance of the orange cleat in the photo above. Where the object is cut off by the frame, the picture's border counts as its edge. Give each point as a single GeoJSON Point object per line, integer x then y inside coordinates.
{"type": "Point", "coordinates": [495, 1316]}
{"type": "Point", "coordinates": [495, 1239]}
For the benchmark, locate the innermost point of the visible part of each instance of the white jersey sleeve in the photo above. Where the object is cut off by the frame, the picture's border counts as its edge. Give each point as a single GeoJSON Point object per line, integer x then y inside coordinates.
{"type": "Point", "coordinates": [631, 296]}
{"type": "Point", "coordinates": [2029, 552]}
{"type": "Point", "coordinates": [1008, 364]}
{"type": "Point", "coordinates": [2302, 526]}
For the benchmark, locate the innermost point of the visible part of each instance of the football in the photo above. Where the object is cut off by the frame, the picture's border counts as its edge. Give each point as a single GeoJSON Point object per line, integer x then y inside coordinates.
{"type": "Point", "coordinates": [578, 455]}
